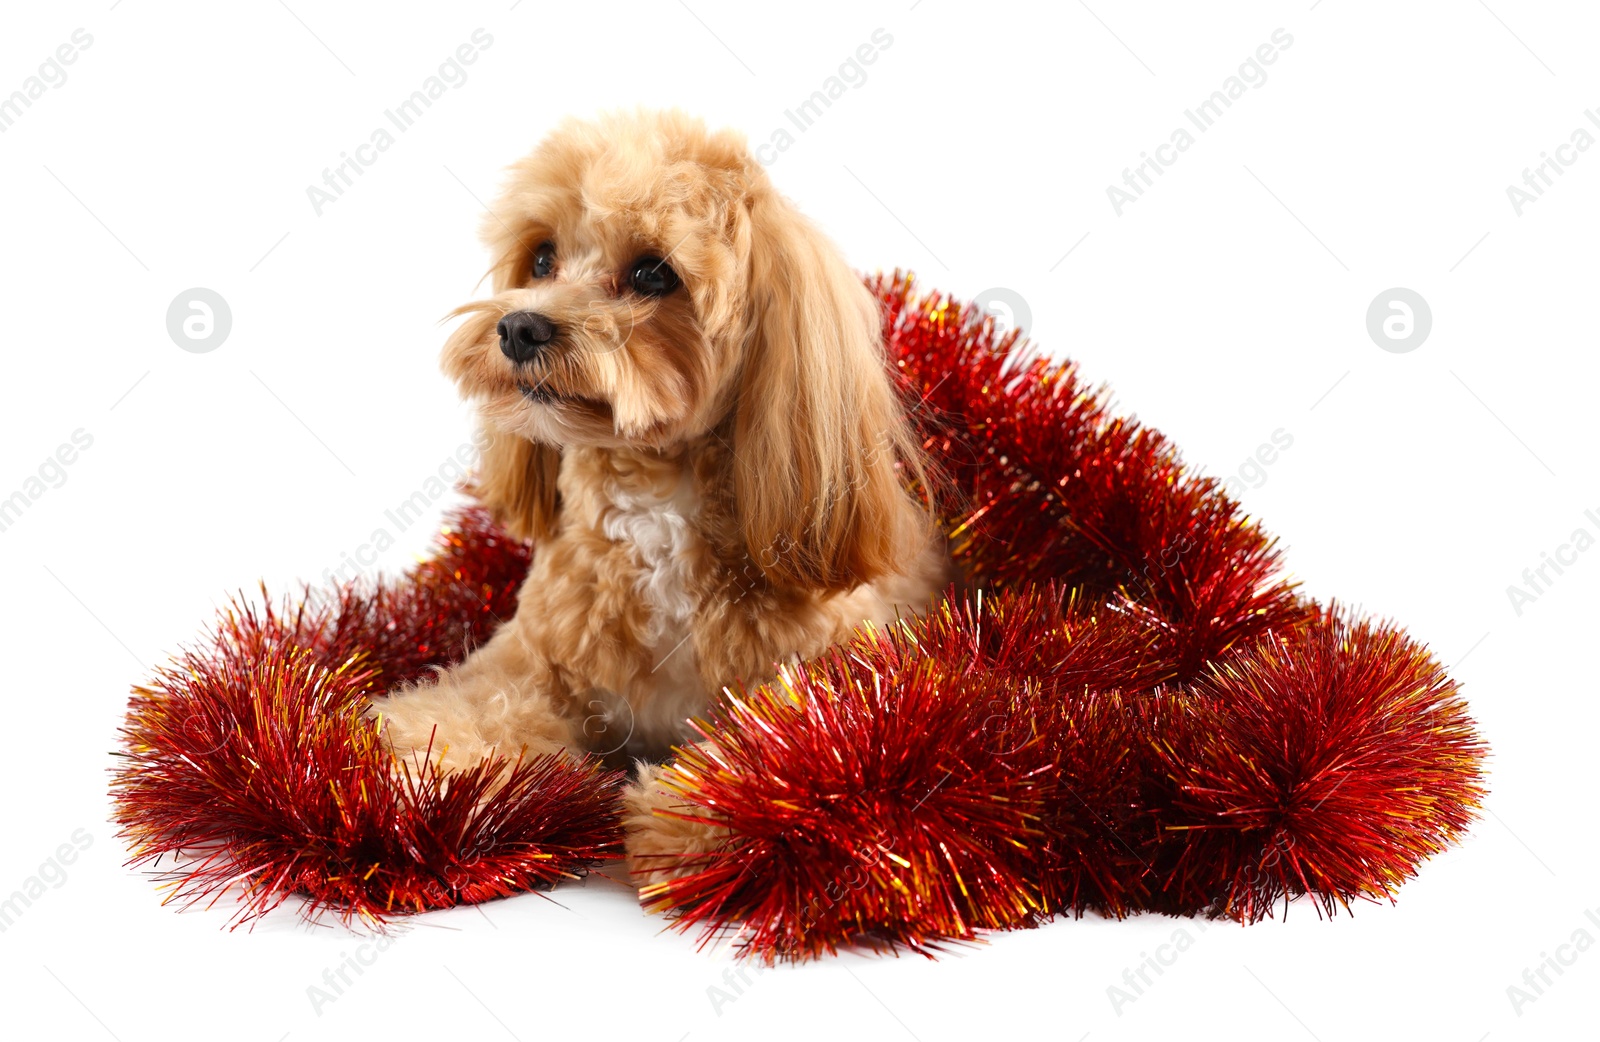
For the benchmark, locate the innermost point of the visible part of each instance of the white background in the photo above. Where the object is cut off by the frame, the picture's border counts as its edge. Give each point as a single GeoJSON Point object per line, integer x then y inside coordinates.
{"type": "Point", "coordinates": [1225, 304]}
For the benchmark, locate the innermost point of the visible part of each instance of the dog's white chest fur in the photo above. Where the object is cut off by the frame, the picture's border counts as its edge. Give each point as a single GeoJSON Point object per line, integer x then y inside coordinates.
{"type": "Point", "coordinates": [659, 525]}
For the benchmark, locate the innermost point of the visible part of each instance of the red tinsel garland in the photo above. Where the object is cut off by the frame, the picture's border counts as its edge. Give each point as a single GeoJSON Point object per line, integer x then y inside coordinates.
{"type": "Point", "coordinates": [1138, 714]}
{"type": "Point", "coordinates": [249, 757]}
{"type": "Point", "coordinates": [1183, 734]}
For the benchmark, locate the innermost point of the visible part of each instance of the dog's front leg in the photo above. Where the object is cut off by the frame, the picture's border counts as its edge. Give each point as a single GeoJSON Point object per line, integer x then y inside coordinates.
{"type": "Point", "coordinates": [666, 837]}
{"type": "Point", "coordinates": [503, 700]}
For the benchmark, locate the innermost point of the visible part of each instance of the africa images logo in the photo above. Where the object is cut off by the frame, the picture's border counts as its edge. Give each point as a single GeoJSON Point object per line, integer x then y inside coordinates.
{"type": "Point", "coordinates": [52, 871]}
{"type": "Point", "coordinates": [1251, 74]}
{"type": "Point", "coordinates": [1538, 579]}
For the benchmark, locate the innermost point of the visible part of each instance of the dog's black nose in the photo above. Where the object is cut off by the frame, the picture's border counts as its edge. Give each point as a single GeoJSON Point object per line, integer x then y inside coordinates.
{"type": "Point", "coordinates": [523, 335]}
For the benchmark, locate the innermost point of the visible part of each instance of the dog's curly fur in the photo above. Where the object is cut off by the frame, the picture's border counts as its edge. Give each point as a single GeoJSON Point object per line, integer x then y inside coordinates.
{"type": "Point", "coordinates": [716, 477]}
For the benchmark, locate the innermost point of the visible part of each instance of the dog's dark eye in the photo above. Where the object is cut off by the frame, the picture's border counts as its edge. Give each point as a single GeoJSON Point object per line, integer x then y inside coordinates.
{"type": "Point", "coordinates": [544, 260]}
{"type": "Point", "coordinates": [651, 277]}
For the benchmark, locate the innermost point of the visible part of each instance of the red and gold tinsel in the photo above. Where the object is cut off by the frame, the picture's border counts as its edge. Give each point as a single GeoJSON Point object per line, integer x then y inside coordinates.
{"type": "Point", "coordinates": [248, 757]}
{"type": "Point", "coordinates": [1134, 711]}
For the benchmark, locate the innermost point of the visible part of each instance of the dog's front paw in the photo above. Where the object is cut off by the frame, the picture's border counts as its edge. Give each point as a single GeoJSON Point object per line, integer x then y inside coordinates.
{"type": "Point", "coordinates": [662, 845]}
{"type": "Point", "coordinates": [441, 725]}
{"type": "Point", "coordinates": [414, 732]}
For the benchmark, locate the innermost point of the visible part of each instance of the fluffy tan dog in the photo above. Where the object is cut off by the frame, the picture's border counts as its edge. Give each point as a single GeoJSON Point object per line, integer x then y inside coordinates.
{"type": "Point", "coordinates": [687, 407]}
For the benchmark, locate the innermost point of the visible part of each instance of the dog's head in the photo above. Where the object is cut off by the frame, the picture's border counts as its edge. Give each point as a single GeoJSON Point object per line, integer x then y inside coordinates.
{"type": "Point", "coordinates": [652, 290]}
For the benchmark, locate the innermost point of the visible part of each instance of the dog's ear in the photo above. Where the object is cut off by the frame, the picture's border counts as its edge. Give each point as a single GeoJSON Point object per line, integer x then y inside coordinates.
{"type": "Point", "coordinates": [819, 434]}
{"type": "Point", "coordinates": [516, 480]}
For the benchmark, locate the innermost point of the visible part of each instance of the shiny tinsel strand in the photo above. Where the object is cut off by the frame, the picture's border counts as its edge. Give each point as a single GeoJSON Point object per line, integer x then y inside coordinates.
{"type": "Point", "coordinates": [248, 765]}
